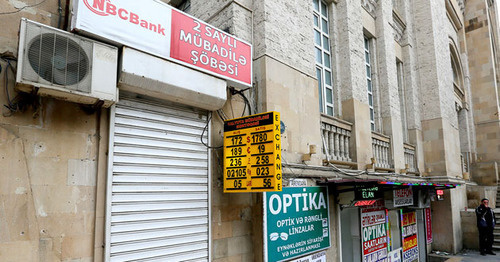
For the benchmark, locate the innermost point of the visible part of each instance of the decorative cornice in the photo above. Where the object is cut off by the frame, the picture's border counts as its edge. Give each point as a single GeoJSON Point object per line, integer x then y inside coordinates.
{"type": "Point", "coordinates": [370, 6]}
{"type": "Point", "coordinates": [461, 3]}
{"type": "Point", "coordinates": [452, 14]}
{"type": "Point", "coordinates": [399, 27]}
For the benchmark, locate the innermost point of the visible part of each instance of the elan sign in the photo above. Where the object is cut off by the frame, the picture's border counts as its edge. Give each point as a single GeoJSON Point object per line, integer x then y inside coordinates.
{"type": "Point", "coordinates": [296, 223]}
{"type": "Point", "coordinates": [158, 29]}
{"type": "Point", "coordinates": [367, 193]}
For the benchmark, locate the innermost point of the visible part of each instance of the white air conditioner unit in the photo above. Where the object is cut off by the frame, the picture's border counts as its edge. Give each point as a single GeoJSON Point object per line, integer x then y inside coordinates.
{"type": "Point", "coordinates": [66, 66]}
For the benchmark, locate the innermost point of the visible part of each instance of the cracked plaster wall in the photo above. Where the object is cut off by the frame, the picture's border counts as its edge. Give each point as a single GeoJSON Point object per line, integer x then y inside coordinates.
{"type": "Point", "coordinates": [48, 165]}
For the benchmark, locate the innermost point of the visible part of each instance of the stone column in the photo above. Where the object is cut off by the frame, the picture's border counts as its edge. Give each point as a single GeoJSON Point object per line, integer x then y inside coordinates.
{"type": "Point", "coordinates": [441, 142]}
{"type": "Point", "coordinates": [411, 84]}
{"type": "Point", "coordinates": [388, 83]}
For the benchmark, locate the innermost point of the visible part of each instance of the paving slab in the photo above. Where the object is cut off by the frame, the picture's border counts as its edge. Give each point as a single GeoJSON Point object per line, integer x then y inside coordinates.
{"type": "Point", "coordinates": [465, 256]}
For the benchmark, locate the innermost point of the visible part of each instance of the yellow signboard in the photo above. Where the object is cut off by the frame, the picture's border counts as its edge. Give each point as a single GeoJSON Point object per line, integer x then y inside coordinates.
{"type": "Point", "coordinates": [252, 153]}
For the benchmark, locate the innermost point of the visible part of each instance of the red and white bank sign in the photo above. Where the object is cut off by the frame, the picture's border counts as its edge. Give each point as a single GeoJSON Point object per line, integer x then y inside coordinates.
{"type": "Point", "coordinates": [158, 29]}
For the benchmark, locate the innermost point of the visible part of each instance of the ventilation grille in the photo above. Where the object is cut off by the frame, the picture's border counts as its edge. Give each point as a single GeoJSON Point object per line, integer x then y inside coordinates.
{"type": "Point", "coordinates": [56, 58]}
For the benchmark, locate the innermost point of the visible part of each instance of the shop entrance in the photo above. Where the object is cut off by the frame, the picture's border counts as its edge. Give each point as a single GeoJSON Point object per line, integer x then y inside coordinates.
{"type": "Point", "coordinates": [350, 228]}
{"type": "Point", "coordinates": [158, 182]}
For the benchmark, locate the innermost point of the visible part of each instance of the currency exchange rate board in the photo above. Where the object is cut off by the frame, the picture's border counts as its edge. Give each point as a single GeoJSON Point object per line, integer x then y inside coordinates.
{"type": "Point", "coordinates": [252, 154]}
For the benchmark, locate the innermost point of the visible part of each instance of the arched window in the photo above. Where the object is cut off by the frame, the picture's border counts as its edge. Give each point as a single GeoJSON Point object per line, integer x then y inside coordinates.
{"type": "Point", "coordinates": [456, 67]}
{"type": "Point", "coordinates": [460, 106]}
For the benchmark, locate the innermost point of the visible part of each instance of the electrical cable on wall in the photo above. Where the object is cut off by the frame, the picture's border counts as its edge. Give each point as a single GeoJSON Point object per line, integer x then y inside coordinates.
{"type": "Point", "coordinates": [59, 10]}
{"type": "Point", "coordinates": [224, 117]}
{"type": "Point", "coordinates": [203, 133]}
{"type": "Point", "coordinates": [21, 101]}
{"type": "Point", "coordinates": [247, 102]}
{"type": "Point", "coordinates": [221, 115]}
{"type": "Point", "coordinates": [8, 58]}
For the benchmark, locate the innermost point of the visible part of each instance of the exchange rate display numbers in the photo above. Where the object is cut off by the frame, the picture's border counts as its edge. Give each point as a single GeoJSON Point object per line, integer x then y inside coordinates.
{"type": "Point", "coordinates": [252, 154]}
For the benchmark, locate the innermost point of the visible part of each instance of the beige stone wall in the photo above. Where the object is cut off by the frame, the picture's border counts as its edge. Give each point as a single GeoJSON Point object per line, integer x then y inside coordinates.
{"type": "Point", "coordinates": [476, 193]}
{"type": "Point", "coordinates": [481, 27]}
{"type": "Point", "coordinates": [447, 228]}
{"type": "Point", "coordinates": [50, 156]}
{"type": "Point", "coordinates": [52, 189]}
{"type": "Point", "coordinates": [232, 216]}
{"type": "Point", "coordinates": [441, 137]}
{"type": "Point", "coordinates": [236, 17]}
{"type": "Point", "coordinates": [283, 30]}
{"type": "Point", "coordinates": [295, 95]}
{"type": "Point", "coordinates": [470, 233]}
{"type": "Point", "coordinates": [49, 175]}
{"type": "Point", "coordinates": [45, 13]}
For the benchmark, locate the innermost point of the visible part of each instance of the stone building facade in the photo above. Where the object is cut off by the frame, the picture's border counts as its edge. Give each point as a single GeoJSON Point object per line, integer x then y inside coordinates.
{"type": "Point", "coordinates": [369, 91]}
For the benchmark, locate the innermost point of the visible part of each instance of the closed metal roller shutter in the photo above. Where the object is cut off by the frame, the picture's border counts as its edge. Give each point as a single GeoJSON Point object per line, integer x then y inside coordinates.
{"type": "Point", "coordinates": [158, 199]}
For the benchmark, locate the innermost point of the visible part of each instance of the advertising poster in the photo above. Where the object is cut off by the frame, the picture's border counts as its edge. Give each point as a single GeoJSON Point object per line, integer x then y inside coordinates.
{"type": "Point", "coordinates": [374, 234]}
{"type": "Point", "coordinates": [316, 257]}
{"type": "Point", "coordinates": [395, 255]}
{"type": "Point", "coordinates": [428, 225]}
{"type": "Point", "coordinates": [296, 223]}
{"type": "Point", "coordinates": [409, 234]}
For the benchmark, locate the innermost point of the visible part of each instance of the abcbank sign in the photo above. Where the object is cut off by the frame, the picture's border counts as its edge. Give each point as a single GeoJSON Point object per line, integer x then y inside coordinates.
{"type": "Point", "coordinates": [158, 29]}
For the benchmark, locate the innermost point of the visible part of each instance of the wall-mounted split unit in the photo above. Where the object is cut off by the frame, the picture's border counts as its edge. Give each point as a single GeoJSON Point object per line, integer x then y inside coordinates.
{"type": "Point", "coordinates": [66, 66]}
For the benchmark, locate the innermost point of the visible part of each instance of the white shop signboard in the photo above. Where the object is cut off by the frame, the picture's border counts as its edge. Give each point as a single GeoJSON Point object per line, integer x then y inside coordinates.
{"type": "Point", "coordinates": [317, 257]}
{"type": "Point", "coordinates": [395, 255]}
{"type": "Point", "coordinates": [403, 197]}
{"type": "Point", "coordinates": [161, 30]}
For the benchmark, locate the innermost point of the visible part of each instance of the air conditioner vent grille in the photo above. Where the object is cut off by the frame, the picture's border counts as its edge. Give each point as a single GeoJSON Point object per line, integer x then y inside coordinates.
{"type": "Point", "coordinates": [57, 58]}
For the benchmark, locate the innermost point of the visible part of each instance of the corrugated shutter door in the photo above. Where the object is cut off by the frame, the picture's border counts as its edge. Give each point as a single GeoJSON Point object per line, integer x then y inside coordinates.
{"type": "Point", "coordinates": [159, 193]}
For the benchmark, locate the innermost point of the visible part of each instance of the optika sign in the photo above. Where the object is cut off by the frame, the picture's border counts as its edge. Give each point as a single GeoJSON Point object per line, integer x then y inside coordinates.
{"type": "Point", "coordinates": [301, 202]}
{"type": "Point", "coordinates": [106, 8]}
{"type": "Point", "coordinates": [158, 29]}
{"type": "Point", "coordinates": [296, 223]}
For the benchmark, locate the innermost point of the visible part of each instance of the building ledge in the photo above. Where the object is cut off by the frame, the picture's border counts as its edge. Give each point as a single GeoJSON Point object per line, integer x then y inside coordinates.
{"type": "Point", "coordinates": [332, 174]}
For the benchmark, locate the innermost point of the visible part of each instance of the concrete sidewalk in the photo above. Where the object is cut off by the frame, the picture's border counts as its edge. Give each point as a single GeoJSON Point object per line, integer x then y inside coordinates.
{"type": "Point", "coordinates": [464, 256]}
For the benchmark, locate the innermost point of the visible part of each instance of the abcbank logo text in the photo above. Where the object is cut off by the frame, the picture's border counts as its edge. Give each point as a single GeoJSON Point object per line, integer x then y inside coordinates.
{"type": "Point", "coordinates": [106, 8]}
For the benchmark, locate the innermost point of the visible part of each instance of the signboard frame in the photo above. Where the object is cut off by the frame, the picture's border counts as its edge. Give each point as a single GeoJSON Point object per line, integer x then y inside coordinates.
{"type": "Point", "coordinates": [368, 193]}
{"type": "Point", "coordinates": [411, 236]}
{"type": "Point", "coordinates": [379, 213]}
{"type": "Point", "coordinates": [403, 197]}
{"type": "Point", "coordinates": [266, 220]}
{"type": "Point", "coordinates": [395, 255]}
{"type": "Point", "coordinates": [428, 225]}
{"type": "Point", "coordinates": [315, 257]}
{"type": "Point", "coordinates": [252, 154]}
{"type": "Point", "coordinates": [148, 26]}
